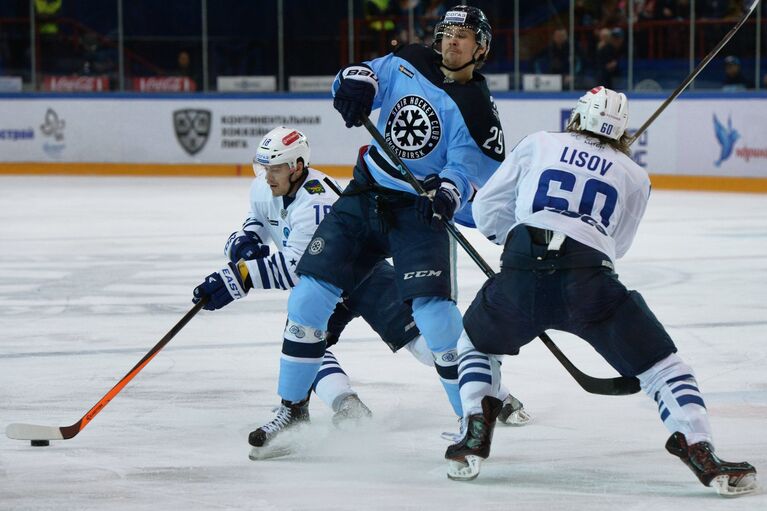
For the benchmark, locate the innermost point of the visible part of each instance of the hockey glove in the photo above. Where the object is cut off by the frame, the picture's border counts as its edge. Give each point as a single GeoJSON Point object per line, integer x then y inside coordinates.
{"type": "Point", "coordinates": [355, 94]}
{"type": "Point", "coordinates": [224, 286]}
{"type": "Point", "coordinates": [439, 203]}
{"type": "Point", "coordinates": [245, 245]}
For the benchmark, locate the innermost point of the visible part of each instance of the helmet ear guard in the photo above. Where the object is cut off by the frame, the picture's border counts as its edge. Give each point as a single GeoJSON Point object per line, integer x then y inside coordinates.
{"type": "Point", "coordinates": [282, 145]}
{"type": "Point", "coordinates": [601, 111]}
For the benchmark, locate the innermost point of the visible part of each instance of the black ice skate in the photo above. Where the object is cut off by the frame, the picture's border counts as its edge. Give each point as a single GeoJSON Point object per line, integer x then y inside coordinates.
{"type": "Point", "coordinates": [351, 412]}
{"type": "Point", "coordinates": [727, 478]}
{"type": "Point", "coordinates": [513, 412]}
{"type": "Point", "coordinates": [464, 457]}
{"type": "Point", "coordinates": [289, 415]}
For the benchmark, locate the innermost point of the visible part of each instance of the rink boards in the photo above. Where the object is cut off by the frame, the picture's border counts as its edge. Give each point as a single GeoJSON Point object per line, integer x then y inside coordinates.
{"type": "Point", "coordinates": [702, 141]}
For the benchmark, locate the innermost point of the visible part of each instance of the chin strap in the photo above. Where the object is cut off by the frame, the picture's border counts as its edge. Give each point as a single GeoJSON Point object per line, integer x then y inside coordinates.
{"type": "Point", "coordinates": [469, 63]}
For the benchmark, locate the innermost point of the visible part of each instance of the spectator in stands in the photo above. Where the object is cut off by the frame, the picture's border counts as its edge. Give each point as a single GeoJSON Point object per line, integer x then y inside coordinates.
{"type": "Point", "coordinates": [734, 80]}
{"type": "Point", "coordinates": [555, 58]}
{"type": "Point", "coordinates": [402, 10]}
{"type": "Point", "coordinates": [673, 9]}
{"type": "Point", "coordinates": [48, 12]}
{"type": "Point", "coordinates": [47, 19]}
{"type": "Point", "coordinates": [375, 10]}
{"type": "Point", "coordinates": [432, 13]}
{"type": "Point", "coordinates": [184, 62]}
{"type": "Point", "coordinates": [606, 59]}
{"type": "Point", "coordinates": [97, 59]}
{"type": "Point", "coordinates": [613, 13]}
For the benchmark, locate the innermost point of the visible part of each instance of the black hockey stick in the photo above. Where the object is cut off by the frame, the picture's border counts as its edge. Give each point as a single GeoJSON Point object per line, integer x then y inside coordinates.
{"type": "Point", "coordinates": [619, 386]}
{"type": "Point", "coordinates": [695, 72]}
{"type": "Point", "coordinates": [33, 432]}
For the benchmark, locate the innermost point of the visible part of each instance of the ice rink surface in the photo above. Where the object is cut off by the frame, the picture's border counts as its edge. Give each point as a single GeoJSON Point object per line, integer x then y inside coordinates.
{"type": "Point", "coordinates": [94, 271]}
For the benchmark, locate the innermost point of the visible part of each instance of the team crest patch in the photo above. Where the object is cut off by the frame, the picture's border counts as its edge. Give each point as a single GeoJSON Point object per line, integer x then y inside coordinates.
{"type": "Point", "coordinates": [316, 246]}
{"type": "Point", "coordinates": [413, 129]}
{"type": "Point", "coordinates": [314, 187]}
{"type": "Point", "coordinates": [283, 213]}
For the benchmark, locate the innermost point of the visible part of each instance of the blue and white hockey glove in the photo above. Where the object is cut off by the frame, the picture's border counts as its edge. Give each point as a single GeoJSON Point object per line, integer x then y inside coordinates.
{"type": "Point", "coordinates": [245, 245]}
{"type": "Point", "coordinates": [440, 202]}
{"type": "Point", "coordinates": [224, 286]}
{"type": "Point", "coordinates": [354, 96]}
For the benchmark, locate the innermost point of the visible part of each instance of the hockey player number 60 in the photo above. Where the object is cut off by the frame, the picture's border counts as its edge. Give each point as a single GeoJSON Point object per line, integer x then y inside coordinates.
{"type": "Point", "coordinates": [591, 189]}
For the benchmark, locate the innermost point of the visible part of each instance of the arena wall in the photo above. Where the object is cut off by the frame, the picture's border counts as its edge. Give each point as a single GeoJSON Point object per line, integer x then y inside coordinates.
{"type": "Point", "coordinates": [702, 141]}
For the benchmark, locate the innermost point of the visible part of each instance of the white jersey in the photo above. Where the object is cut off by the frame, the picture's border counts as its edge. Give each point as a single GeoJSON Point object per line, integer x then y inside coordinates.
{"type": "Point", "coordinates": [569, 183]}
{"type": "Point", "coordinates": [290, 223]}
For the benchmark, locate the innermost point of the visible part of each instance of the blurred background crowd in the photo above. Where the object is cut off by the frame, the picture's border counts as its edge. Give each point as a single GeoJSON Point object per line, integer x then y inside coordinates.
{"type": "Point", "coordinates": [187, 45]}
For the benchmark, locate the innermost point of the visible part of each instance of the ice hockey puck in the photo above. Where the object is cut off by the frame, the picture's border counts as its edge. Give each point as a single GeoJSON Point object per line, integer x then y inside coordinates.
{"type": "Point", "coordinates": [40, 443]}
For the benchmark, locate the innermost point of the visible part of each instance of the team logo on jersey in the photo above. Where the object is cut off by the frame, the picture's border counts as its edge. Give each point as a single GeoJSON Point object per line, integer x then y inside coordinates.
{"type": "Point", "coordinates": [283, 213]}
{"type": "Point", "coordinates": [314, 187]}
{"type": "Point", "coordinates": [316, 246]}
{"type": "Point", "coordinates": [286, 232]}
{"type": "Point", "coordinates": [413, 129]}
{"type": "Point", "coordinates": [192, 128]}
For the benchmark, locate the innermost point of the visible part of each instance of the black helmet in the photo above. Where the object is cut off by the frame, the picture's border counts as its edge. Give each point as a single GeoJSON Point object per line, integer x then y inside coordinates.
{"type": "Point", "coordinates": [467, 17]}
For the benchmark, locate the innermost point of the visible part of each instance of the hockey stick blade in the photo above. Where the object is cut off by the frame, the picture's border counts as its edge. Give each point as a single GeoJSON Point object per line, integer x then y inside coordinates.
{"type": "Point", "coordinates": [18, 431]}
{"type": "Point", "coordinates": [695, 72]}
{"type": "Point", "coordinates": [618, 386]}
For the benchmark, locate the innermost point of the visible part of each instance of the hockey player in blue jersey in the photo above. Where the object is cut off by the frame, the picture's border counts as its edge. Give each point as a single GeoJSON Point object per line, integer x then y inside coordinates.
{"type": "Point", "coordinates": [288, 199]}
{"type": "Point", "coordinates": [437, 113]}
{"type": "Point", "coordinates": [566, 206]}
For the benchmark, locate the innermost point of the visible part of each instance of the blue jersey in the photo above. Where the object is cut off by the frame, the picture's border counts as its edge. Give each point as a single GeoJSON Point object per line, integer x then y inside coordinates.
{"type": "Point", "coordinates": [433, 124]}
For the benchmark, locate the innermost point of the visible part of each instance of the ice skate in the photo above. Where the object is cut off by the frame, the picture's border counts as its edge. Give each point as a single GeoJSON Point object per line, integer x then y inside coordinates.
{"type": "Point", "coordinates": [464, 457]}
{"type": "Point", "coordinates": [513, 412]}
{"type": "Point", "coordinates": [727, 478]}
{"type": "Point", "coordinates": [288, 416]}
{"type": "Point", "coordinates": [351, 412]}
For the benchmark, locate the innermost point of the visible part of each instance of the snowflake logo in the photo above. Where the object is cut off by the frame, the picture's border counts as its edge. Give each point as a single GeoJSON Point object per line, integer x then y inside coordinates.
{"type": "Point", "coordinates": [413, 128]}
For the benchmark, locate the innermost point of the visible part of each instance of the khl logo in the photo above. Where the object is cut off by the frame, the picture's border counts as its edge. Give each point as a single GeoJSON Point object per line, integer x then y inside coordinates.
{"type": "Point", "coordinates": [192, 128]}
{"type": "Point", "coordinates": [726, 136]}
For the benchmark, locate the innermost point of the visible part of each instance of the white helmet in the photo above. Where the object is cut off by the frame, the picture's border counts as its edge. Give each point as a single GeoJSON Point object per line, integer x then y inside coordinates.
{"type": "Point", "coordinates": [603, 112]}
{"type": "Point", "coordinates": [282, 145]}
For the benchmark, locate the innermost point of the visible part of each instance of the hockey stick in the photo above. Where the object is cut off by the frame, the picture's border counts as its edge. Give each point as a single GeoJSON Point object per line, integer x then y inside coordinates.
{"type": "Point", "coordinates": [618, 386]}
{"type": "Point", "coordinates": [33, 432]}
{"type": "Point", "coordinates": [695, 72]}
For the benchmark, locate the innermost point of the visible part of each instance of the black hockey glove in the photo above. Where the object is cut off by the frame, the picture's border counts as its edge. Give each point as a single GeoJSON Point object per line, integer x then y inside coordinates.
{"type": "Point", "coordinates": [439, 203]}
{"type": "Point", "coordinates": [245, 245]}
{"type": "Point", "coordinates": [355, 94]}
{"type": "Point", "coordinates": [224, 286]}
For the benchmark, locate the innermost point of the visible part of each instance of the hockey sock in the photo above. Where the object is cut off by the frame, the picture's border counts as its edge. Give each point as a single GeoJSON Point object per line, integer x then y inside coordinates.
{"type": "Point", "coordinates": [440, 323]}
{"type": "Point", "coordinates": [332, 384]}
{"type": "Point", "coordinates": [671, 383]}
{"type": "Point", "coordinates": [303, 349]}
{"type": "Point", "coordinates": [476, 372]}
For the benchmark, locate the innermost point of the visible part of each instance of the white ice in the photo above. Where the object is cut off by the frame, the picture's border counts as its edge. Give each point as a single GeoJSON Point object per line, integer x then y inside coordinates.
{"type": "Point", "coordinates": [94, 271]}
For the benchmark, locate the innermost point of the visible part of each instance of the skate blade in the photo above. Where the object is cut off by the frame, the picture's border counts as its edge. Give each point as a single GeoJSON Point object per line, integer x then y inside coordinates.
{"type": "Point", "coordinates": [518, 418]}
{"type": "Point", "coordinates": [747, 484]}
{"type": "Point", "coordinates": [464, 470]}
{"type": "Point", "coordinates": [269, 452]}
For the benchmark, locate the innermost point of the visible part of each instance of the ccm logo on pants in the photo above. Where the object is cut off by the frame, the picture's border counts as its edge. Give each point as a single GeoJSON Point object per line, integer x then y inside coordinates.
{"type": "Point", "coordinates": [421, 273]}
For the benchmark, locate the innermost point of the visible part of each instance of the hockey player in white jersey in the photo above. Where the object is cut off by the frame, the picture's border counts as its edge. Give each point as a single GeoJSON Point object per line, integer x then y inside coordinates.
{"type": "Point", "coordinates": [288, 199]}
{"type": "Point", "coordinates": [566, 206]}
